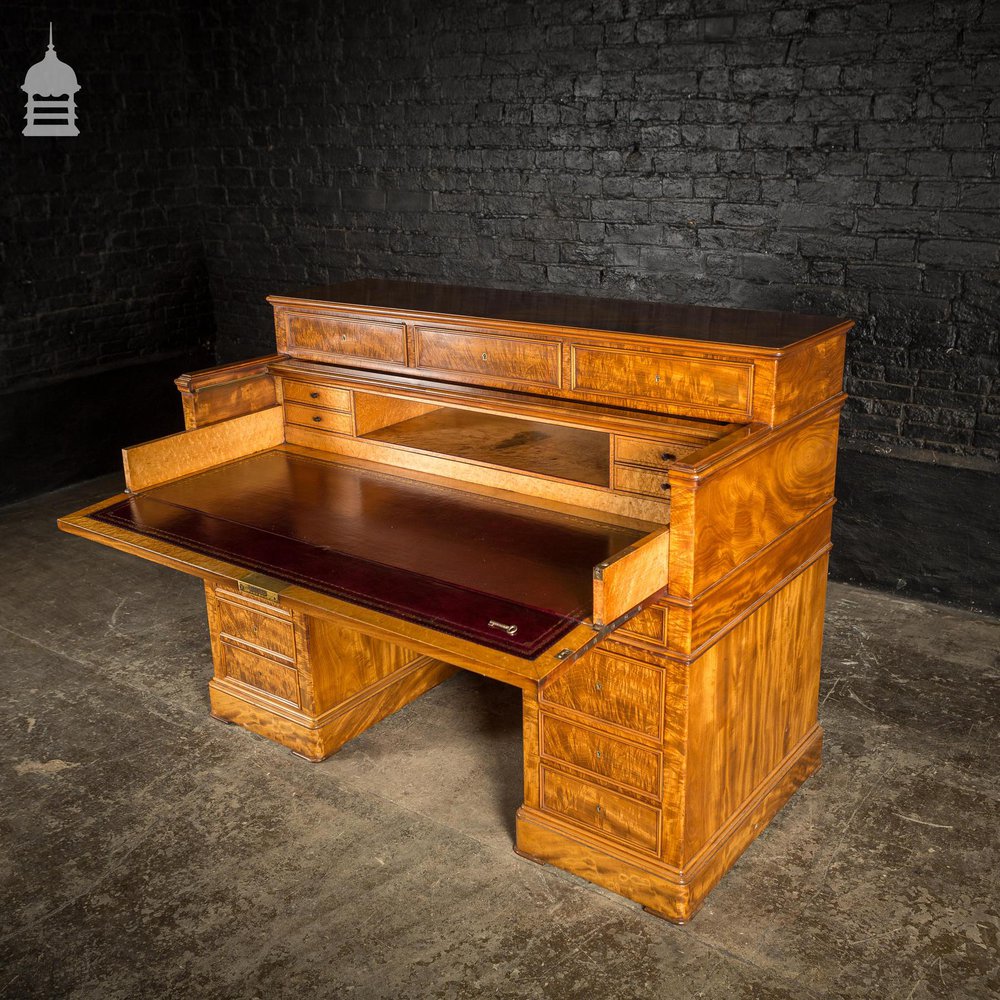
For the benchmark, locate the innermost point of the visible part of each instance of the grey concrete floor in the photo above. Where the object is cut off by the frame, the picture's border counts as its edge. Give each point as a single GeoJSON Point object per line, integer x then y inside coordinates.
{"type": "Point", "coordinates": [150, 851]}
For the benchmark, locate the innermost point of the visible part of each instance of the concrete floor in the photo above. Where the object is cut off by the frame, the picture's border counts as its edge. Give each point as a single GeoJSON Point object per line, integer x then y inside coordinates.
{"type": "Point", "coordinates": [149, 851]}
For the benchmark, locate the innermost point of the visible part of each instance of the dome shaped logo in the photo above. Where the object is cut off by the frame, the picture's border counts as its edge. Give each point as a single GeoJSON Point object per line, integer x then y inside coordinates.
{"type": "Point", "coordinates": [51, 88]}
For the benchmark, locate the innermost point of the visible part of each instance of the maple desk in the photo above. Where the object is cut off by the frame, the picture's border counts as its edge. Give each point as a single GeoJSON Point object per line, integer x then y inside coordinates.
{"type": "Point", "coordinates": [622, 508]}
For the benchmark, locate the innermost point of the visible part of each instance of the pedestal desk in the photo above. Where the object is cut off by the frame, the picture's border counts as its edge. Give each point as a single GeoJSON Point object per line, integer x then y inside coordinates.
{"type": "Point", "coordinates": [622, 508]}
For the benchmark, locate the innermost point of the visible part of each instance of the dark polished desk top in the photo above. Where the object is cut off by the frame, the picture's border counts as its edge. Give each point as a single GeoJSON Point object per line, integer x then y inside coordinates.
{"type": "Point", "coordinates": [753, 328]}
{"type": "Point", "coordinates": [435, 556]}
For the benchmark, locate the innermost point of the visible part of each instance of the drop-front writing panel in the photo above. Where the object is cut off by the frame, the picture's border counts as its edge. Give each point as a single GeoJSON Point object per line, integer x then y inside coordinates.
{"type": "Point", "coordinates": [622, 508]}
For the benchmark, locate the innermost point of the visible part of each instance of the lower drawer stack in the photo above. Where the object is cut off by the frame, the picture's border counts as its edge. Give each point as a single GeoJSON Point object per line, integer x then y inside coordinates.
{"type": "Point", "coordinates": [600, 748]}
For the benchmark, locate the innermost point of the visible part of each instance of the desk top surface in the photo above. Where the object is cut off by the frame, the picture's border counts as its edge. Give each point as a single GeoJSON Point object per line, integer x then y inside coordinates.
{"type": "Point", "coordinates": [754, 328]}
{"type": "Point", "coordinates": [436, 556]}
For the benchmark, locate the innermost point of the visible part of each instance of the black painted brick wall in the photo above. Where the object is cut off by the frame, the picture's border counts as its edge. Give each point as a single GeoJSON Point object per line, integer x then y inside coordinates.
{"type": "Point", "coordinates": [816, 156]}
{"type": "Point", "coordinates": [101, 261]}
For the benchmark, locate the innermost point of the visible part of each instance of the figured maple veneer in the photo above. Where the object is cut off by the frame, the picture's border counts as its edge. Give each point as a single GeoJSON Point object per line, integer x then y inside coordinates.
{"type": "Point", "coordinates": [659, 381]}
{"type": "Point", "coordinates": [602, 755]}
{"type": "Point", "coordinates": [227, 391]}
{"type": "Point", "coordinates": [515, 361]}
{"type": "Point", "coordinates": [313, 394]}
{"type": "Point", "coordinates": [347, 340]}
{"type": "Point", "coordinates": [623, 508]}
{"type": "Point", "coordinates": [332, 421]}
{"type": "Point", "coordinates": [613, 815]}
{"type": "Point", "coordinates": [613, 689]}
{"type": "Point", "coordinates": [194, 451]}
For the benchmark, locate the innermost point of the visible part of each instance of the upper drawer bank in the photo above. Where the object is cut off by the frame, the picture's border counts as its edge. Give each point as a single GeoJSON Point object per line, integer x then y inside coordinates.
{"type": "Point", "coordinates": [658, 374]}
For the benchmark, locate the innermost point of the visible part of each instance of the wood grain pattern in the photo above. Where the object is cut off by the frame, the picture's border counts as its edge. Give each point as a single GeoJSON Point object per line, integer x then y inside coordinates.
{"type": "Point", "coordinates": [753, 696]}
{"type": "Point", "coordinates": [656, 380]}
{"type": "Point", "coordinates": [193, 451]}
{"type": "Point", "coordinates": [649, 625]}
{"type": "Point", "coordinates": [722, 516]}
{"type": "Point", "coordinates": [316, 418]}
{"type": "Point", "coordinates": [262, 676]}
{"type": "Point", "coordinates": [316, 739]}
{"type": "Point", "coordinates": [648, 482]}
{"type": "Point", "coordinates": [505, 361]}
{"type": "Point", "coordinates": [341, 338]}
{"type": "Point", "coordinates": [618, 690]}
{"type": "Point", "coordinates": [610, 813]}
{"type": "Point", "coordinates": [266, 632]}
{"type": "Point", "coordinates": [315, 394]}
{"type": "Point", "coordinates": [225, 391]}
{"type": "Point", "coordinates": [654, 753]}
{"type": "Point", "coordinates": [654, 454]}
{"type": "Point", "coordinates": [602, 755]}
{"type": "Point", "coordinates": [470, 475]}
{"type": "Point", "coordinates": [628, 578]}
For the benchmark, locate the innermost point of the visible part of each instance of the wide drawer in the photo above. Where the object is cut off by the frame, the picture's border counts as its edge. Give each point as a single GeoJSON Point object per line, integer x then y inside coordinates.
{"type": "Point", "coordinates": [638, 451]}
{"type": "Point", "coordinates": [346, 339]}
{"type": "Point", "coordinates": [649, 624]}
{"type": "Point", "coordinates": [608, 812]}
{"type": "Point", "coordinates": [316, 395]}
{"type": "Point", "coordinates": [663, 378]}
{"type": "Point", "coordinates": [503, 359]}
{"type": "Point", "coordinates": [621, 691]}
{"type": "Point", "coordinates": [603, 755]}
{"type": "Point", "coordinates": [275, 679]}
{"type": "Point", "coordinates": [319, 419]}
{"type": "Point", "coordinates": [649, 482]}
{"type": "Point", "coordinates": [241, 623]}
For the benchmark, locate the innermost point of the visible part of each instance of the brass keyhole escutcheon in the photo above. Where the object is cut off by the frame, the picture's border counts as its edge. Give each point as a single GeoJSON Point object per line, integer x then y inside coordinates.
{"type": "Point", "coordinates": [598, 754]}
{"type": "Point", "coordinates": [343, 336]}
{"type": "Point", "coordinates": [484, 355]}
{"type": "Point", "coordinates": [598, 686]}
{"type": "Point", "coordinates": [598, 809]}
{"type": "Point", "coordinates": [656, 378]}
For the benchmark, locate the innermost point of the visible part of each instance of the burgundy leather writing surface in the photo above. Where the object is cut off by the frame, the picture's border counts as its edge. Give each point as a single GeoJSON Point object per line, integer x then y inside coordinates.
{"type": "Point", "coordinates": [452, 561]}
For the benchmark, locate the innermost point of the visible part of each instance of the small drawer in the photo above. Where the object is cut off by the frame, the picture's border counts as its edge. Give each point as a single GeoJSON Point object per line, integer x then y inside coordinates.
{"type": "Point", "coordinates": [503, 359]}
{"type": "Point", "coordinates": [608, 812]}
{"type": "Point", "coordinates": [317, 395]}
{"type": "Point", "coordinates": [649, 482]}
{"type": "Point", "coordinates": [649, 624]}
{"type": "Point", "coordinates": [346, 338]}
{"type": "Point", "coordinates": [319, 419]}
{"type": "Point", "coordinates": [621, 691]}
{"type": "Point", "coordinates": [662, 378]}
{"type": "Point", "coordinates": [610, 758]}
{"type": "Point", "coordinates": [277, 680]}
{"type": "Point", "coordinates": [249, 626]}
{"type": "Point", "coordinates": [636, 451]}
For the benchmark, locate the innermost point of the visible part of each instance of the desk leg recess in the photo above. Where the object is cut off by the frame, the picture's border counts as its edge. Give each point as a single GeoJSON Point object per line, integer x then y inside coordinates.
{"type": "Point", "coordinates": [307, 683]}
{"type": "Point", "coordinates": [650, 774]}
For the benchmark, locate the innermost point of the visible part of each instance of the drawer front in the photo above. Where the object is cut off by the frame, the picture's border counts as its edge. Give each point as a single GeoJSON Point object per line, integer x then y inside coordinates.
{"type": "Point", "coordinates": [319, 419]}
{"type": "Point", "coordinates": [624, 692]}
{"type": "Point", "coordinates": [347, 339]}
{"type": "Point", "coordinates": [663, 378]}
{"type": "Point", "coordinates": [636, 451]}
{"type": "Point", "coordinates": [601, 754]}
{"type": "Point", "coordinates": [506, 359]}
{"type": "Point", "coordinates": [268, 633]}
{"type": "Point", "coordinates": [605, 811]}
{"type": "Point", "coordinates": [278, 680]}
{"type": "Point", "coordinates": [317, 395]}
{"type": "Point", "coordinates": [649, 482]}
{"type": "Point", "coordinates": [649, 624]}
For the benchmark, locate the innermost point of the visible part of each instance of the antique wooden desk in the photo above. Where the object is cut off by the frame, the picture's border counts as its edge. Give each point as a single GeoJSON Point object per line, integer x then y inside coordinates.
{"type": "Point", "coordinates": [621, 508]}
